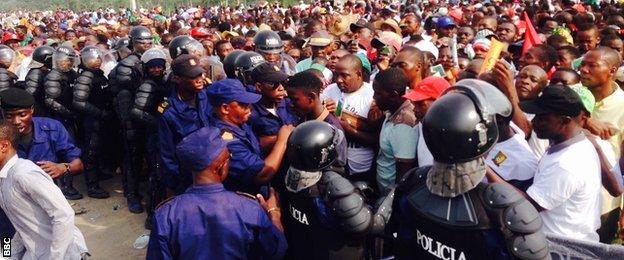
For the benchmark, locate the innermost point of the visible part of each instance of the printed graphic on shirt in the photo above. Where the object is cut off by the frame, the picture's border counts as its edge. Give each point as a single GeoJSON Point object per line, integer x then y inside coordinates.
{"type": "Point", "coordinates": [298, 215]}
{"type": "Point", "coordinates": [438, 249]}
{"type": "Point", "coordinates": [499, 158]}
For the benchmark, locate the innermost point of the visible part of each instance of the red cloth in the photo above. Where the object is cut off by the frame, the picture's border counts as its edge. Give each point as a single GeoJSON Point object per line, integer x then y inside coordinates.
{"type": "Point", "coordinates": [530, 35]}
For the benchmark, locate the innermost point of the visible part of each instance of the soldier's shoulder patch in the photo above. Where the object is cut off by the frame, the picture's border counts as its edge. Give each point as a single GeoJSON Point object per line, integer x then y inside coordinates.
{"type": "Point", "coordinates": [164, 201]}
{"type": "Point", "coordinates": [247, 195]}
{"type": "Point", "coordinates": [162, 107]}
{"type": "Point", "coordinates": [227, 135]}
{"type": "Point", "coordinates": [499, 158]}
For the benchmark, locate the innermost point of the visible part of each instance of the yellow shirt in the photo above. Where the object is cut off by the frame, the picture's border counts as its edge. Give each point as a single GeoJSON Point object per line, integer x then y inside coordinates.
{"type": "Point", "coordinates": [611, 110]}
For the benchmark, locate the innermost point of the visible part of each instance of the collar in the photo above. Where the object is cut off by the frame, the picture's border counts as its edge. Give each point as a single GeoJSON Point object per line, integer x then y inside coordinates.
{"type": "Point", "coordinates": [4, 172]}
{"type": "Point", "coordinates": [404, 115]}
{"type": "Point", "coordinates": [560, 146]}
{"type": "Point", "coordinates": [238, 131]}
{"type": "Point", "coordinates": [205, 188]}
{"type": "Point", "coordinates": [610, 98]}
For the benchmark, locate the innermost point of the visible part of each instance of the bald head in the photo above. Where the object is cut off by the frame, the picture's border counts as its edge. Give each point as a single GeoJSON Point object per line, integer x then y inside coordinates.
{"type": "Point", "coordinates": [538, 72]}
{"type": "Point", "coordinates": [530, 81]}
{"type": "Point", "coordinates": [610, 56]}
{"type": "Point", "coordinates": [411, 60]}
{"type": "Point", "coordinates": [350, 61]}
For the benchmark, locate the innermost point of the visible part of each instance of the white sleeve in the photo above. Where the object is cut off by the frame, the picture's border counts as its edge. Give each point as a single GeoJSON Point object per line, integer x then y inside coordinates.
{"type": "Point", "coordinates": [552, 187]}
{"type": "Point", "coordinates": [49, 197]}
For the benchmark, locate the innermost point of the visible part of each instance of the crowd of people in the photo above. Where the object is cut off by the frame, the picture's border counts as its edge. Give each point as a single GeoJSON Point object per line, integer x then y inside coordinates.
{"type": "Point", "coordinates": [324, 130]}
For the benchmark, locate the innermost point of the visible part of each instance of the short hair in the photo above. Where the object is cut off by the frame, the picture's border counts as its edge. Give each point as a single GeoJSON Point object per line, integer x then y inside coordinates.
{"type": "Point", "coordinates": [587, 27]}
{"type": "Point", "coordinates": [306, 81]}
{"type": "Point", "coordinates": [393, 79]}
{"type": "Point", "coordinates": [219, 43]}
{"type": "Point", "coordinates": [568, 70]}
{"type": "Point", "coordinates": [557, 40]}
{"type": "Point", "coordinates": [238, 42]}
{"type": "Point", "coordinates": [549, 53]}
{"type": "Point", "coordinates": [570, 50]}
{"type": "Point", "coordinates": [607, 38]}
{"type": "Point", "coordinates": [9, 132]}
{"type": "Point", "coordinates": [610, 55]}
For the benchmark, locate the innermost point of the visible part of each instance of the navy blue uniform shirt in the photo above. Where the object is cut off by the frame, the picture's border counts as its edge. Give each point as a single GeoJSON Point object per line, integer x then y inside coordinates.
{"type": "Point", "coordinates": [208, 222]}
{"type": "Point", "coordinates": [264, 123]}
{"type": "Point", "coordinates": [177, 121]}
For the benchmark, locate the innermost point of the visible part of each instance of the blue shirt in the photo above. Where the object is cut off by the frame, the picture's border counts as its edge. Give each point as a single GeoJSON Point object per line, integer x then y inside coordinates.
{"type": "Point", "coordinates": [177, 121]}
{"type": "Point", "coordinates": [50, 142]}
{"type": "Point", "coordinates": [208, 222]}
{"type": "Point", "coordinates": [264, 123]}
{"type": "Point", "coordinates": [246, 161]}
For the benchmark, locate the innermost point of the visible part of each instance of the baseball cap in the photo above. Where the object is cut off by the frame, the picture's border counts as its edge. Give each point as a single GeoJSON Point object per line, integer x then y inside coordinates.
{"type": "Point", "coordinates": [200, 149]}
{"type": "Point", "coordinates": [229, 90]}
{"type": "Point", "coordinates": [361, 23]}
{"type": "Point", "coordinates": [320, 39]}
{"type": "Point", "coordinates": [15, 98]}
{"type": "Point", "coordinates": [187, 65]}
{"type": "Point", "coordinates": [445, 21]}
{"type": "Point", "coordinates": [556, 99]}
{"type": "Point", "coordinates": [387, 38]}
{"type": "Point", "coordinates": [429, 88]}
{"type": "Point", "coordinates": [365, 62]}
{"type": "Point", "coordinates": [587, 98]}
{"type": "Point", "coordinates": [266, 72]}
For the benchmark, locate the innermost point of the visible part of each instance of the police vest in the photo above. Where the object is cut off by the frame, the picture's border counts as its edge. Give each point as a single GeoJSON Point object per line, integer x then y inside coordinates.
{"type": "Point", "coordinates": [313, 234]}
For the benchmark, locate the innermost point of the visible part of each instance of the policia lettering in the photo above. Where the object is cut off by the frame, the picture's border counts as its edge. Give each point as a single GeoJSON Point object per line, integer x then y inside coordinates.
{"type": "Point", "coordinates": [438, 249]}
{"type": "Point", "coordinates": [298, 215]}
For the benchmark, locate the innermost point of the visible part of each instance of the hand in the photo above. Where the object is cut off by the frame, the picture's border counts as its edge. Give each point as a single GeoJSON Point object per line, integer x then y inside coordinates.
{"type": "Point", "coordinates": [346, 126]}
{"type": "Point", "coordinates": [284, 132]}
{"type": "Point", "coordinates": [330, 104]}
{"type": "Point", "coordinates": [272, 203]}
{"type": "Point", "coordinates": [55, 170]}
{"type": "Point", "coordinates": [503, 76]}
{"type": "Point", "coordinates": [375, 114]}
{"type": "Point", "coordinates": [601, 129]}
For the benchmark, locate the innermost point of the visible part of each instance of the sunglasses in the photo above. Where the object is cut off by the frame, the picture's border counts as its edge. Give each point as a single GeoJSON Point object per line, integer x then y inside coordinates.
{"type": "Point", "coordinates": [274, 85]}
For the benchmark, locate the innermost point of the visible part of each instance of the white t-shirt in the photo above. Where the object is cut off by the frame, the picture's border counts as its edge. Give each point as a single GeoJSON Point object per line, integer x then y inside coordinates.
{"type": "Point", "coordinates": [358, 103]}
{"type": "Point", "coordinates": [513, 159]}
{"type": "Point", "coordinates": [422, 151]}
{"type": "Point", "coordinates": [537, 145]}
{"type": "Point", "coordinates": [567, 184]}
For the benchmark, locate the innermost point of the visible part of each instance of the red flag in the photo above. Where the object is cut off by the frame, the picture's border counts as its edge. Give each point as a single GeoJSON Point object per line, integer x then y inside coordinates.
{"type": "Point", "coordinates": [530, 35]}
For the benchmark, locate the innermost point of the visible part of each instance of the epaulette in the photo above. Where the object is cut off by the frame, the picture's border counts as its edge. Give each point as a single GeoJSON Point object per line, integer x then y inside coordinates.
{"type": "Point", "coordinates": [162, 107]}
{"type": "Point", "coordinates": [164, 201]}
{"type": "Point", "coordinates": [227, 135]}
{"type": "Point", "coordinates": [247, 195]}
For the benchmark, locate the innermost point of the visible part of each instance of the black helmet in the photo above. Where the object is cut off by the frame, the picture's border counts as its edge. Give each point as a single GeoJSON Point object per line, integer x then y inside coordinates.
{"type": "Point", "coordinates": [245, 63]}
{"type": "Point", "coordinates": [268, 42]}
{"type": "Point", "coordinates": [460, 126]}
{"type": "Point", "coordinates": [229, 65]}
{"type": "Point", "coordinates": [43, 55]}
{"type": "Point", "coordinates": [312, 146]}
{"type": "Point", "coordinates": [185, 44]}
{"type": "Point", "coordinates": [140, 34]}
{"type": "Point", "coordinates": [122, 43]}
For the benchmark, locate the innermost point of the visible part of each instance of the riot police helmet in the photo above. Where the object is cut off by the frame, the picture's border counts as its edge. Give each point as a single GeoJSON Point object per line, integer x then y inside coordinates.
{"type": "Point", "coordinates": [64, 58]}
{"type": "Point", "coordinates": [185, 44]}
{"type": "Point", "coordinates": [91, 57]}
{"type": "Point", "coordinates": [229, 65]}
{"type": "Point", "coordinates": [268, 42]}
{"type": "Point", "coordinates": [312, 146]}
{"type": "Point", "coordinates": [43, 55]}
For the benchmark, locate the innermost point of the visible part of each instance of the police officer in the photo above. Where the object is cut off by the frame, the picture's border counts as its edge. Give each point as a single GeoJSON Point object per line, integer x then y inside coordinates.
{"type": "Point", "coordinates": [270, 46]}
{"type": "Point", "coordinates": [58, 100]}
{"type": "Point", "coordinates": [185, 110]}
{"type": "Point", "coordinates": [229, 65]}
{"type": "Point", "coordinates": [90, 100]}
{"type": "Point", "coordinates": [39, 67]}
{"type": "Point", "coordinates": [478, 220]}
{"type": "Point", "coordinates": [225, 225]}
{"type": "Point", "coordinates": [149, 95]}
{"type": "Point", "coordinates": [122, 48]}
{"type": "Point", "coordinates": [185, 44]}
{"type": "Point", "coordinates": [7, 78]}
{"type": "Point", "coordinates": [44, 141]}
{"type": "Point", "coordinates": [124, 79]}
{"type": "Point", "coordinates": [273, 110]}
{"type": "Point", "coordinates": [327, 216]}
{"type": "Point", "coordinates": [232, 108]}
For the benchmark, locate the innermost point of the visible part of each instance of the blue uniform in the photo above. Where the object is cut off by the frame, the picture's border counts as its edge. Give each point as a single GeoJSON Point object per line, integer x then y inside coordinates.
{"type": "Point", "coordinates": [246, 161]}
{"type": "Point", "coordinates": [50, 142]}
{"type": "Point", "coordinates": [179, 120]}
{"type": "Point", "coordinates": [208, 222]}
{"type": "Point", "coordinates": [264, 123]}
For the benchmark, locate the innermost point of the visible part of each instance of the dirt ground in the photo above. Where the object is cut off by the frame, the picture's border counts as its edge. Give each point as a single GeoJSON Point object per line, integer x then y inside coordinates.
{"type": "Point", "coordinates": [109, 233]}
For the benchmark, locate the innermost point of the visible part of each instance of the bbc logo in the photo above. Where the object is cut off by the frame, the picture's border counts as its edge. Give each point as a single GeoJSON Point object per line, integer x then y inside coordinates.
{"type": "Point", "coordinates": [6, 247]}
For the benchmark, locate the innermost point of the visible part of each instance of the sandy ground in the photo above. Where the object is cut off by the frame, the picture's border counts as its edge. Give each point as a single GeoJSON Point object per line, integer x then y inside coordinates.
{"type": "Point", "coordinates": [110, 234]}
